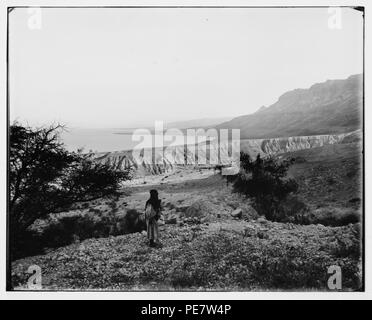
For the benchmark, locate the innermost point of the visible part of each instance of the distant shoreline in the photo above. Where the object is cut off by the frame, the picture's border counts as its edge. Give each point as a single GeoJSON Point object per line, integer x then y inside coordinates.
{"type": "Point", "coordinates": [110, 140]}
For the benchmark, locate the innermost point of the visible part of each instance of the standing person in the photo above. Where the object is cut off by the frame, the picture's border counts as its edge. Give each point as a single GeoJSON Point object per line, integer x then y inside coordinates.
{"type": "Point", "coordinates": [152, 215]}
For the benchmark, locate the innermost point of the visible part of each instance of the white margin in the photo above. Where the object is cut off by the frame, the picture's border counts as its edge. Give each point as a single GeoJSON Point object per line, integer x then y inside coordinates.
{"type": "Point", "coordinates": [4, 295]}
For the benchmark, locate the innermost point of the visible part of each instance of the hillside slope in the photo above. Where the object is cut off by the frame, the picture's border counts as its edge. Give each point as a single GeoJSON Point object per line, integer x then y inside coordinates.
{"type": "Point", "coordinates": [197, 123]}
{"type": "Point", "coordinates": [203, 249]}
{"type": "Point", "coordinates": [334, 106]}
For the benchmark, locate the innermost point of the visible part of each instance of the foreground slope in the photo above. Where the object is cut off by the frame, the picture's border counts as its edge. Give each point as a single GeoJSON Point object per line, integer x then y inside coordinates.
{"type": "Point", "coordinates": [231, 255]}
{"type": "Point", "coordinates": [203, 249]}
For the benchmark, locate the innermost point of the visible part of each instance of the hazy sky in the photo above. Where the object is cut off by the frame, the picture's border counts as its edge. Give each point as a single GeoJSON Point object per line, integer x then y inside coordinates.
{"type": "Point", "coordinates": [129, 67]}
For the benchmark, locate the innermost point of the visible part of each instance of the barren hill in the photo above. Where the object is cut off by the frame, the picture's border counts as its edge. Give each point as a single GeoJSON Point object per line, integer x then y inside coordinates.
{"type": "Point", "coordinates": [331, 107]}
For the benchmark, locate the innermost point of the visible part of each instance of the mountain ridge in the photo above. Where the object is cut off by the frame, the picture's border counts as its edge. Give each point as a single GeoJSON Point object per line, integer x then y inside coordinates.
{"type": "Point", "coordinates": [330, 107]}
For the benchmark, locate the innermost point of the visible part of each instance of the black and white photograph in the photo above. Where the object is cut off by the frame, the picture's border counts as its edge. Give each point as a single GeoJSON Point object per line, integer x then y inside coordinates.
{"type": "Point", "coordinates": [185, 149]}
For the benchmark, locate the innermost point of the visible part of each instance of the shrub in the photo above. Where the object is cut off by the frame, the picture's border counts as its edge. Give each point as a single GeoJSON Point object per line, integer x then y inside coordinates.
{"type": "Point", "coordinates": [30, 244]}
{"type": "Point", "coordinates": [332, 216]}
{"type": "Point", "coordinates": [347, 244]}
{"type": "Point", "coordinates": [198, 209]}
{"type": "Point", "coordinates": [104, 225]}
{"type": "Point", "coordinates": [133, 222]}
{"type": "Point", "coordinates": [265, 181]}
{"type": "Point", "coordinates": [66, 230]}
{"type": "Point", "coordinates": [293, 210]}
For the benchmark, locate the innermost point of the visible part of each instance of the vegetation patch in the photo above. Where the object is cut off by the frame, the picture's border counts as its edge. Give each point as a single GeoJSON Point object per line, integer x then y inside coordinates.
{"type": "Point", "coordinates": [214, 259]}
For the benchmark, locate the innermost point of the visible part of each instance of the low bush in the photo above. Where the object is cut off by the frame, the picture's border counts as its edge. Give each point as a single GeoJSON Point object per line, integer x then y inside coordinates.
{"type": "Point", "coordinates": [332, 216]}
{"type": "Point", "coordinates": [30, 244]}
{"type": "Point", "coordinates": [347, 244]}
{"type": "Point", "coordinates": [63, 231]}
{"type": "Point", "coordinates": [266, 182]}
{"type": "Point", "coordinates": [67, 229]}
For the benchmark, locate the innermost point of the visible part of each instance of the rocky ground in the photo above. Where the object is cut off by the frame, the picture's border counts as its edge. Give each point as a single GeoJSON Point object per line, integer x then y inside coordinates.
{"type": "Point", "coordinates": [228, 255]}
{"type": "Point", "coordinates": [211, 239]}
{"type": "Point", "coordinates": [203, 248]}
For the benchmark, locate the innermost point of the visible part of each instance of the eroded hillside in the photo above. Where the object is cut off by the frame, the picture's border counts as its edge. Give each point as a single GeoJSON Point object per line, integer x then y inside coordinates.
{"type": "Point", "coordinates": [164, 160]}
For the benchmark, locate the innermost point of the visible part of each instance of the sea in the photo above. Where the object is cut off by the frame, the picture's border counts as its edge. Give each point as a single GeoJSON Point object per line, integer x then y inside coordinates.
{"type": "Point", "coordinates": [109, 140]}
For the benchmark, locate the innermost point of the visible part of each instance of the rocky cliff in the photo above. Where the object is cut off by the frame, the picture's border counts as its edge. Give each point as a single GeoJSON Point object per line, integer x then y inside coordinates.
{"type": "Point", "coordinates": [155, 161]}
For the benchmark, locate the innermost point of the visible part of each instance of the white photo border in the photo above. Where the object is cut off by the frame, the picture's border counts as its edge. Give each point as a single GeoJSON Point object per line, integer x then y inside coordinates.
{"type": "Point", "coordinates": [132, 295]}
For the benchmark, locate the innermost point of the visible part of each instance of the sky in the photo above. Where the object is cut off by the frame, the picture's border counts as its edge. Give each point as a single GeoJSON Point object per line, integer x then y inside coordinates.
{"type": "Point", "coordinates": [127, 67]}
